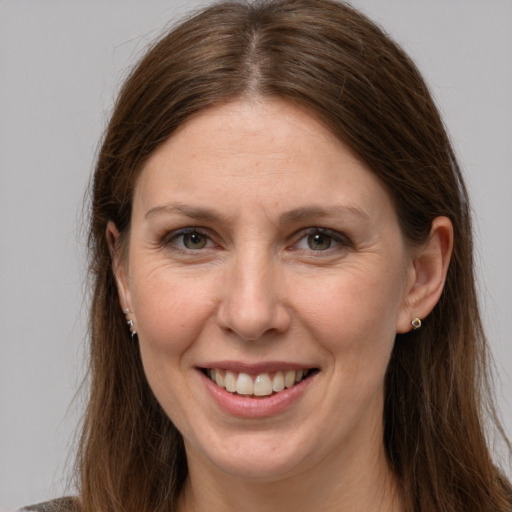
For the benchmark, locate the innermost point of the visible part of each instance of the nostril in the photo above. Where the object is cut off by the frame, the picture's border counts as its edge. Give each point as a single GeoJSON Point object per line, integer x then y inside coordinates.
{"type": "Point", "coordinates": [256, 323]}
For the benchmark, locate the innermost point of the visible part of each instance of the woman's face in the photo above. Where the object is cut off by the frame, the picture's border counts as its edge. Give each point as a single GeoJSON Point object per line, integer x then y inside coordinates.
{"type": "Point", "coordinates": [264, 255]}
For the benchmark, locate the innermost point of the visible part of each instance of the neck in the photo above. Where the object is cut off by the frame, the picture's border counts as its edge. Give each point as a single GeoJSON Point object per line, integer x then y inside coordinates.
{"type": "Point", "coordinates": [358, 482]}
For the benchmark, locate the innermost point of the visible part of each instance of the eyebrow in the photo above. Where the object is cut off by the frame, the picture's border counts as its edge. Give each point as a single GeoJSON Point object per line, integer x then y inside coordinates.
{"type": "Point", "coordinates": [291, 217]}
{"type": "Point", "coordinates": [193, 212]}
{"type": "Point", "coordinates": [310, 212]}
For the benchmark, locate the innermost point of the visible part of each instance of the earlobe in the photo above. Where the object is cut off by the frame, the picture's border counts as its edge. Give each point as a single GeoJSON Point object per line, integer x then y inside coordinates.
{"type": "Point", "coordinates": [118, 267]}
{"type": "Point", "coordinates": [427, 274]}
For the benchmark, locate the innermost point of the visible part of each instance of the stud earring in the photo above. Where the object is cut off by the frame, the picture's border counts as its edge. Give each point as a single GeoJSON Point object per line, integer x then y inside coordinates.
{"type": "Point", "coordinates": [416, 324]}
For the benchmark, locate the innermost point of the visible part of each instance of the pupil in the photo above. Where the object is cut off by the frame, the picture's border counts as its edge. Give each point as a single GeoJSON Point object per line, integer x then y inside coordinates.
{"type": "Point", "coordinates": [194, 241]}
{"type": "Point", "coordinates": [319, 242]}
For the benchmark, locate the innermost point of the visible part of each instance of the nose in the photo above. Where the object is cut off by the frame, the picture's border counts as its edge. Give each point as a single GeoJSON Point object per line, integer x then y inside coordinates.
{"type": "Point", "coordinates": [253, 305]}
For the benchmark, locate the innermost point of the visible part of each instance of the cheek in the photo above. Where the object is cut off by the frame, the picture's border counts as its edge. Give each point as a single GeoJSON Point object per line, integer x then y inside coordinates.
{"type": "Point", "coordinates": [353, 315]}
{"type": "Point", "coordinates": [170, 311]}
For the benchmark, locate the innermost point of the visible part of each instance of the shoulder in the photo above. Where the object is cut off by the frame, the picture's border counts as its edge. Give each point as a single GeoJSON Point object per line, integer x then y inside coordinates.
{"type": "Point", "coordinates": [67, 504]}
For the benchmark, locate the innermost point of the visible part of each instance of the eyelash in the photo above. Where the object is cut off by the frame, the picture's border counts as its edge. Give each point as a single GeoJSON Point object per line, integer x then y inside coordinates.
{"type": "Point", "coordinates": [338, 239]}
{"type": "Point", "coordinates": [170, 240]}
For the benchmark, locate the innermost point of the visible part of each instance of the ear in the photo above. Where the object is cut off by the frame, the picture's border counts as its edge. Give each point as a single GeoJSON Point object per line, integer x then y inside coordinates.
{"type": "Point", "coordinates": [427, 274]}
{"type": "Point", "coordinates": [118, 267]}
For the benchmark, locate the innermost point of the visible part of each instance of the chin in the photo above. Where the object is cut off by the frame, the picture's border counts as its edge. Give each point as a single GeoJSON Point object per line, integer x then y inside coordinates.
{"type": "Point", "coordinates": [263, 470]}
{"type": "Point", "coordinates": [262, 458]}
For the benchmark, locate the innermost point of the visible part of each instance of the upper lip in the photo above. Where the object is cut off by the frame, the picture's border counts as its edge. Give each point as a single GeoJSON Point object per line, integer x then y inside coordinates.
{"type": "Point", "coordinates": [256, 368]}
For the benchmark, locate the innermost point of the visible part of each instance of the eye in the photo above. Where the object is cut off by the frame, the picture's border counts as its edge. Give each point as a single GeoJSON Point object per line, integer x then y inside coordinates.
{"type": "Point", "coordinates": [194, 240]}
{"type": "Point", "coordinates": [319, 242]}
{"type": "Point", "coordinates": [190, 239]}
{"type": "Point", "coordinates": [320, 239]}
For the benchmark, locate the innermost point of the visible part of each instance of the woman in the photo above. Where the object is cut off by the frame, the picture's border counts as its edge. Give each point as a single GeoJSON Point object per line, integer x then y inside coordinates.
{"type": "Point", "coordinates": [284, 314]}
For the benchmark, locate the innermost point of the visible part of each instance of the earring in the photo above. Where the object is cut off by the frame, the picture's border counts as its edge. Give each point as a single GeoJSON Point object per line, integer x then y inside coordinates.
{"type": "Point", "coordinates": [416, 324]}
{"type": "Point", "coordinates": [129, 323]}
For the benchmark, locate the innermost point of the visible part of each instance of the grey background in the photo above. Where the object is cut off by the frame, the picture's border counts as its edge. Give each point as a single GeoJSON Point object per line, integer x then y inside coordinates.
{"type": "Point", "coordinates": [60, 65]}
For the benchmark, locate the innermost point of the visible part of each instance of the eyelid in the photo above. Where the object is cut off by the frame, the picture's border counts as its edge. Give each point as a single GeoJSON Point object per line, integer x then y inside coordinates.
{"type": "Point", "coordinates": [171, 236]}
{"type": "Point", "coordinates": [341, 240]}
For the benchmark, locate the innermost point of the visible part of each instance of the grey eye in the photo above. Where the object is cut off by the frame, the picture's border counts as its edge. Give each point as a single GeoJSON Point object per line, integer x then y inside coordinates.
{"type": "Point", "coordinates": [319, 242]}
{"type": "Point", "coordinates": [194, 240]}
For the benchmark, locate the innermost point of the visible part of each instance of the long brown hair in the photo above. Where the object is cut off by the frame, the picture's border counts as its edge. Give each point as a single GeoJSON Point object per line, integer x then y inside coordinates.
{"type": "Point", "coordinates": [328, 58]}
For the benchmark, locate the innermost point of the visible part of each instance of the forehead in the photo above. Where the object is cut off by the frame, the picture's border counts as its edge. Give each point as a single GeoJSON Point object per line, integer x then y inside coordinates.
{"type": "Point", "coordinates": [263, 154]}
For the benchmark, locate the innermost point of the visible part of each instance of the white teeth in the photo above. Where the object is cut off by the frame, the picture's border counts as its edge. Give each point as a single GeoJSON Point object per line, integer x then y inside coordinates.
{"type": "Point", "coordinates": [289, 379]}
{"type": "Point", "coordinates": [230, 382]}
{"type": "Point", "coordinates": [263, 384]}
{"type": "Point", "coordinates": [219, 378]}
{"type": "Point", "coordinates": [244, 385]}
{"type": "Point", "coordinates": [278, 382]}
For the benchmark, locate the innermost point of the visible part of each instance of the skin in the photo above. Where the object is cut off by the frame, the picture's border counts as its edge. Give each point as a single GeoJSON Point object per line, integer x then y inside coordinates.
{"type": "Point", "coordinates": [260, 287]}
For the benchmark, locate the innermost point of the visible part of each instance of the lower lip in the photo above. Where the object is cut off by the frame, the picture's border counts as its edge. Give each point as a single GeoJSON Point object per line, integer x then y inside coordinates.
{"type": "Point", "coordinates": [255, 407]}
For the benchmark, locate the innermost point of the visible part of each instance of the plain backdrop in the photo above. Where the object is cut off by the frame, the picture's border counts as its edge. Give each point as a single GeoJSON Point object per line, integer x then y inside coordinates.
{"type": "Point", "coordinates": [61, 63]}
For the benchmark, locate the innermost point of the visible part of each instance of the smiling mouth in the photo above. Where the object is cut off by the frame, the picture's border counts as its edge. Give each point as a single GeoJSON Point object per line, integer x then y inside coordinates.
{"type": "Point", "coordinates": [261, 385]}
